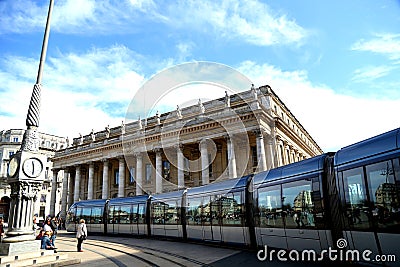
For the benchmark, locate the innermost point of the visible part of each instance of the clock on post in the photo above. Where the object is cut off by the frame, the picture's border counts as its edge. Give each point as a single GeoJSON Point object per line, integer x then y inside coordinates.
{"type": "Point", "coordinates": [26, 166]}
{"type": "Point", "coordinates": [32, 167]}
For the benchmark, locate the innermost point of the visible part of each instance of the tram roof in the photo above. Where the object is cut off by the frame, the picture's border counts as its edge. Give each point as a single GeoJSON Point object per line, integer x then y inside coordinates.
{"type": "Point", "coordinates": [379, 144]}
{"type": "Point", "coordinates": [168, 195]}
{"type": "Point", "coordinates": [231, 185]}
{"type": "Point", "coordinates": [92, 202]}
{"type": "Point", "coordinates": [129, 200]}
{"type": "Point", "coordinates": [297, 169]}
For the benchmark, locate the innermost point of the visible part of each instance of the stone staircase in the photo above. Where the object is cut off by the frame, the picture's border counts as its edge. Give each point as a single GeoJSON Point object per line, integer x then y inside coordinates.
{"type": "Point", "coordinates": [41, 258]}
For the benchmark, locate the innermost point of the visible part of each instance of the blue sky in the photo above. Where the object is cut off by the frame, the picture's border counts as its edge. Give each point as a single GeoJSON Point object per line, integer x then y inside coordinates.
{"type": "Point", "coordinates": [334, 64]}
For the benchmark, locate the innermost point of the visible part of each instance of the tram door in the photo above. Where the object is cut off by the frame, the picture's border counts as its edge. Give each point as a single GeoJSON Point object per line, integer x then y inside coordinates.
{"type": "Point", "coordinates": [206, 219]}
{"type": "Point", "coordinates": [215, 217]}
{"type": "Point", "coordinates": [141, 215]}
{"type": "Point", "coordinates": [135, 225]}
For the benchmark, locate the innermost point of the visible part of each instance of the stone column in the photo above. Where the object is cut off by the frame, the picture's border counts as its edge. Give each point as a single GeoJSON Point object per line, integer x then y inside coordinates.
{"type": "Point", "coordinates": [70, 190]}
{"type": "Point", "coordinates": [77, 182]}
{"type": "Point", "coordinates": [53, 197]}
{"type": "Point", "coordinates": [64, 196]}
{"type": "Point", "coordinates": [139, 174]}
{"type": "Point", "coordinates": [279, 150]}
{"type": "Point", "coordinates": [231, 158]}
{"type": "Point", "coordinates": [159, 177]}
{"type": "Point", "coordinates": [285, 153]}
{"type": "Point", "coordinates": [23, 197]}
{"type": "Point", "coordinates": [104, 193]}
{"type": "Point", "coordinates": [205, 175]}
{"type": "Point", "coordinates": [90, 180]}
{"type": "Point", "coordinates": [262, 164]}
{"type": "Point", "coordinates": [181, 167]}
{"type": "Point", "coordinates": [270, 155]}
{"type": "Point", "coordinates": [121, 177]}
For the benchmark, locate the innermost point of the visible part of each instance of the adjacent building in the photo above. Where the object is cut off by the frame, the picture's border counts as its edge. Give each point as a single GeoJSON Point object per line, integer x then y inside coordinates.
{"type": "Point", "coordinates": [10, 143]}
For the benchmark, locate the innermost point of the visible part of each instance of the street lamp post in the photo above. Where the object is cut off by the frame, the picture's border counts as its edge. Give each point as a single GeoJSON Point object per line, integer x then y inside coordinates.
{"type": "Point", "coordinates": [26, 171]}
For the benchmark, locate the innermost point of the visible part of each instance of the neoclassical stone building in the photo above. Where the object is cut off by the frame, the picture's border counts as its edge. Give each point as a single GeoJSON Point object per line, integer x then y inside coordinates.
{"type": "Point", "coordinates": [220, 139]}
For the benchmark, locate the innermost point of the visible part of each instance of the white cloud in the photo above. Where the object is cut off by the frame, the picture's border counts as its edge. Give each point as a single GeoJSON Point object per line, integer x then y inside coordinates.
{"type": "Point", "coordinates": [370, 73]}
{"type": "Point", "coordinates": [247, 21]}
{"type": "Point", "coordinates": [80, 91]}
{"type": "Point", "coordinates": [333, 120]}
{"type": "Point", "coordinates": [386, 44]}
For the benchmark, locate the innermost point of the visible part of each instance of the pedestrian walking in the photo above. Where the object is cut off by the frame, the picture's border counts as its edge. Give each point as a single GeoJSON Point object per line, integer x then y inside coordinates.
{"type": "Point", "coordinates": [81, 234]}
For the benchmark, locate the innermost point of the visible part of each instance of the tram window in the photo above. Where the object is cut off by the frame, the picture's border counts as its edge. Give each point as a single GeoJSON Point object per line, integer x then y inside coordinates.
{"type": "Point", "coordinates": [125, 214]}
{"type": "Point", "coordinates": [232, 209]}
{"type": "Point", "coordinates": [141, 214]}
{"type": "Point", "coordinates": [71, 216]}
{"type": "Point", "coordinates": [157, 212]}
{"type": "Point", "coordinates": [193, 213]}
{"type": "Point", "coordinates": [113, 214]}
{"type": "Point", "coordinates": [298, 205]}
{"type": "Point", "coordinates": [134, 214]}
{"type": "Point", "coordinates": [270, 207]}
{"type": "Point", "coordinates": [355, 199]}
{"type": "Point", "coordinates": [215, 210]}
{"type": "Point", "coordinates": [97, 215]}
{"type": "Point", "coordinates": [384, 194]}
{"type": "Point", "coordinates": [172, 212]}
{"type": "Point", "coordinates": [206, 211]}
{"type": "Point", "coordinates": [86, 214]}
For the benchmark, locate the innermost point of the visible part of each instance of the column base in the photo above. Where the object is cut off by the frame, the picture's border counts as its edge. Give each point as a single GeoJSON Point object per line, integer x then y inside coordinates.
{"type": "Point", "coordinates": [9, 249]}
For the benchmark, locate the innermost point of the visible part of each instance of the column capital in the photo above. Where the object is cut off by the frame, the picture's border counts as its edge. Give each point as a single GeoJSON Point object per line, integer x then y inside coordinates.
{"type": "Point", "coordinates": [157, 150]}
{"type": "Point", "coordinates": [138, 154]}
{"type": "Point", "coordinates": [258, 133]}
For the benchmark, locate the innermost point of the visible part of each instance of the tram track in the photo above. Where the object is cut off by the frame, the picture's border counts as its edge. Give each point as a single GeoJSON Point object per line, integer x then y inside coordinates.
{"type": "Point", "coordinates": [154, 257]}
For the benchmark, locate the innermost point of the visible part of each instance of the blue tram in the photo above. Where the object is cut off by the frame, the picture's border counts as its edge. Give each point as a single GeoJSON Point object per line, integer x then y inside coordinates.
{"type": "Point", "coordinates": [353, 194]}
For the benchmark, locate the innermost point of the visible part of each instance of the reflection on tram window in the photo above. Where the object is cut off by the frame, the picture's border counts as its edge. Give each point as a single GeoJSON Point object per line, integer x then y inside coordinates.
{"type": "Point", "coordinates": [172, 212]}
{"type": "Point", "coordinates": [357, 212]}
{"type": "Point", "coordinates": [384, 194]}
{"type": "Point", "coordinates": [193, 212]}
{"type": "Point", "coordinates": [157, 213]}
{"type": "Point", "coordinates": [233, 209]}
{"type": "Point", "coordinates": [165, 212]}
{"type": "Point", "coordinates": [227, 209]}
{"type": "Point", "coordinates": [125, 214]}
{"type": "Point", "coordinates": [270, 207]}
{"type": "Point", "coordinates": [141, 214]}
{"type": "Point", "coordinates": [206, 211]}
{"type": "Point", "coordinates": [298, 206]}
{"type": "Point", "coordinates": [97, 215]}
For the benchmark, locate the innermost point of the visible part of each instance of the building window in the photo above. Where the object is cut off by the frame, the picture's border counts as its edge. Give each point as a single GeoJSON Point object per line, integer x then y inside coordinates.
{"type": "Point", "coordinates": [15, 139]}
{"type": "Point", "coordinates": [254, 156]}
{"type": "Point", "coordinates": [43, 198]}
{"type": "Point", "coordinates": [166, 169]}
{"type": "Point", "coordinates": [10, 153]}
{"type": "Point", "coordinates": [132, 173]}
{"type": "Point", "coordinates": [116, 177]}
{"type": "Point", "coordinates": [148, 173]}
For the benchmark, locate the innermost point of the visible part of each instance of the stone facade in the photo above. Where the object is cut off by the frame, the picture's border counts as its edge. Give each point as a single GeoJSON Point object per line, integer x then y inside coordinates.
{"type": "Point", "coordinates": [220, 139]}
{"type": "Point", "coordinates": [10, 143]}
